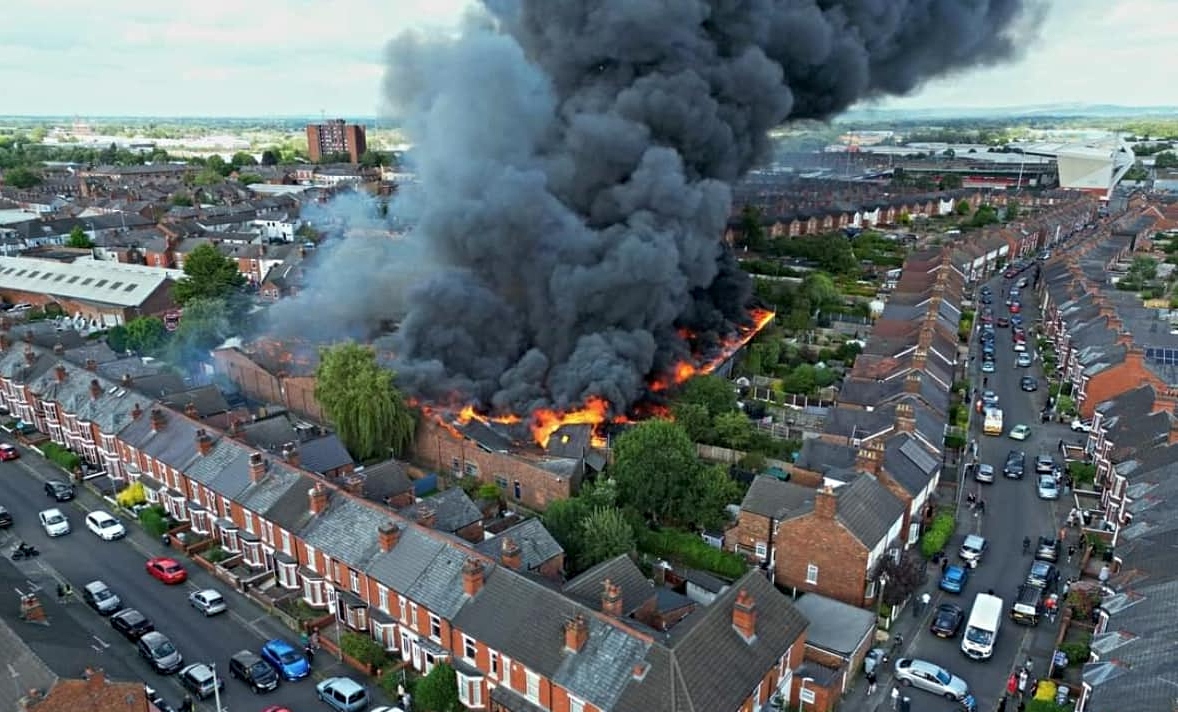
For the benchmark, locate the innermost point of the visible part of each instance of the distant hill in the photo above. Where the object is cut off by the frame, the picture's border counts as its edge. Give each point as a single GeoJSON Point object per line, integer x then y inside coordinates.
{"type": "Point", "coordinates": [1102, 111]}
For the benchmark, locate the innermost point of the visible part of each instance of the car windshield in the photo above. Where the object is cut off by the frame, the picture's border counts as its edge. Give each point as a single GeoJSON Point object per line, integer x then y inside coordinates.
{"type": "Point", "coordinates": [943, 677]}
{"type": "Point", "coordinates": [170, 568]}
{"type": "Point", "coordinates": [54, 518]}
{"type": "Point", "coordinates": [103, 594]}
{"type": "Point", "coordinates": [289, 656]}
{"type": "Point", "coordinates": [164, 649]}
{"type": "Point", "coordinates": [979, 636]}
{"type": "Point", "coordinates": [259, 669]}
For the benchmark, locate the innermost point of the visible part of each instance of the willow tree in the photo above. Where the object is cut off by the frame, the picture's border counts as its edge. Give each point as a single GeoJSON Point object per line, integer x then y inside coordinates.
{"type": "Point", "coordinates": [358, 397]}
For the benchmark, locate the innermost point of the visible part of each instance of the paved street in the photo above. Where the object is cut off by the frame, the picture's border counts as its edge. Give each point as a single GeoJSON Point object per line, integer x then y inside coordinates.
{"type": "Point", "coordinates": [80, 557]}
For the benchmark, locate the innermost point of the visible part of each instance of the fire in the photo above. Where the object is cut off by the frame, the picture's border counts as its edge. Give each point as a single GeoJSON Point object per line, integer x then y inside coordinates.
{"type": "Point", "coordinates": [545, 422]}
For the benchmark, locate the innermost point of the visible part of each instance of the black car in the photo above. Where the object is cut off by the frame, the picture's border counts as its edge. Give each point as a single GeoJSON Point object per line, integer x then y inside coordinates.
{"type": "Point", "coordinates": [131, 624]}
{"type": "Point", "coordinates": [1043, 575]}
{"type": "Point", "coordinates": [1028, 384]}
{"type": "Point", "coordinates": [947, 621]}
{"type": "Point", "coordinates": [60, 491]}
{"type": "Point", "coordinates": [1047, 550]}
{"type": "Point", "coordinates": [5, 518]}
{"type": "Point", "coordinates": [1016, 464]}
{"type": "Point", "coordinates": [253, 671]}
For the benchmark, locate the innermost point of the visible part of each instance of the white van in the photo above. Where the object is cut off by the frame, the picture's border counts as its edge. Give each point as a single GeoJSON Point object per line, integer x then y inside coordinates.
{"type": "Point", "coordinates": [981, 631]}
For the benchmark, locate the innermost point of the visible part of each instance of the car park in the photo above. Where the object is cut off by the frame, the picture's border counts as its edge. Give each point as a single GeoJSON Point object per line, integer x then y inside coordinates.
{"type": "Point", "coordinates": [1020, 432]}
{"type": "Point", "coordinates": [160, 653]}
{"type": "Point", "coordinates": [59, 491]}
{"type": "Point", "coordinates": [287, 661]}
{"type": "Point", "coordinates": [105, 526]}
{"type": "Point", "coordinates": [166, 570]}
{"type": "Point", "coordinates": [342, 694]}
{"type": "Point", "coordinates": [1015, 464]}
{"type": "Point", "coordinates": [201, 680]}
{"type": "Point", "coordinates": [8, 452]}
{"type": "Point", "coordinates": [947, 620]}
{"type": "Point", "coordinates": [1023, 360]}
{"type": "Point", "coordinates": [1028, 384]}
{"type": "Point", "coordinates": [98, 596]}
{"type": "Point", "coordinates": [972, 549]}
{"type": "Point", "coordinates": [208, 601]}
{"type": "Point", "coordinates": [954, 579]}
{"type": "Point", "coordinates": [247, 666]}
{"type": "Point", "coordinates": [1047, 488]}
{"type": "Point", "coordinates": [131, 624]}
{"type": "Point", "coordinates": [54, 522]}
{"type": "Point", "coordinates": [1042, 575]}
{"type": "Point", "coordinates": [1047, 549]}
{"type": "Point", "coordinates": [984, 472]}
{"type": "Point", "coordinates": [922, 674]}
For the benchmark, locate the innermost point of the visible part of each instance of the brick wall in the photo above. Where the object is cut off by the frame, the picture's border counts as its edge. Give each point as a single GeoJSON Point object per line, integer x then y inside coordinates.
{"type": "Point", "coordinates": [1112, 382]}
{"type": "Point", "coordinates": [257, 383]}
{"type": "Point", "coordinates": [299, 396]}
{"type": "Point", "coordinates": [825, 543]}
{"type": "Point", "coordinates": [750, 528]}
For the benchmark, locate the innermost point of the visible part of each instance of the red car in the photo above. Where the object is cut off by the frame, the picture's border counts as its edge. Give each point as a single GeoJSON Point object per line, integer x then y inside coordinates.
{"type": "Point", "coordinates": [1015, 308]}
{"type": "Point", "coordinates": [276, 709]}
{"type": "Point", "coordinates": [8, 452]}
{"type": "Point", "coordinates": [167, 570]}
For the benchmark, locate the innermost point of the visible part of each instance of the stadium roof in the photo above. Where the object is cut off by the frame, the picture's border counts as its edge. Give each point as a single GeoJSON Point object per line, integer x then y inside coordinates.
{"type": "Point", "coordinates": [96, 281]}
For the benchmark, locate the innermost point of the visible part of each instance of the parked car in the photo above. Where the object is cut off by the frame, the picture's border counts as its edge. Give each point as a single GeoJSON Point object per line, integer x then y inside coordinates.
{"type": "Point", "coordinates": [132, 624]}
{"type": "Point", "coordinates": [208, 601]}
{"type": "Point", "coordinates": [1047, 550]}
{"type": "Point", "coordinates": [1015, 464]}
{"type": "Point", "coordinates": [60, 491]}
{"type": "Point", "coordinates": [105, 526]}
{"type": "Point", "coordinates": [286, 659]}
{"type": "Point", "coordinates": [1002, 322]}
{"type": "Point", "coordinates": [1081, 426]}
{"type": "Point", "coordinates": [988, 366]}
{"type": "Point", "coordinates": [54, 522]}
{"type": "Point", "coordinates": [1044, 463]}
{"type": "Point", "coordinates": [1043, 575]}
{"type": "Point", "coordinates": [201, 680]}
{"type": "Point", "coordinates": [160, 653]}
{"type": "Point", "coordinates": [1023, 360]}
{"type": "Point", "coordinates": [8, 452]}
{"type": "Point", "coordinates": [947, 620]}
{"type": "Point", "coordinates": [342, 694]}
{"type": "Point", "coordinates": [989, 399]}
{"type": "Point", "coordinates": [972, 549]}
{"type": "Point", "coordinates": [922, 674]}
{"type": "Point", "coordinates": [1028, 384]}
{"type": "Point", "coordinates": [98, 596]}
{"type": "Point", "coordinates": [1047, 488]}
{"type": "Point", "coordinates": [1020, 432]}
{"type": "Point", "coordinates": [1019, 346]}
{"type": "Point", "coordinates": [246, 666]}
{"type": "Point", "coordinates": [167, 570]}
{"type": "Point", "coordinates": [954, 579]}
{"type": "Point", "coordinates": [984, 472]}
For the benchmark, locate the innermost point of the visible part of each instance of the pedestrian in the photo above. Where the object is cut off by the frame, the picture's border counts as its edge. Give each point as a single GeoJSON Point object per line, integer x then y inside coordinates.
{"type": "Point", "coordinates": [309, 652]}
{"type": "Point", "coordinates": [944, 565]}
{"type": "Point", "coordinates": [871, 678]}
{"type": "Point", "coordinates": [1071, 552]}
{"type": "Point", "coordinates": [1034, 689]}
{"type": "Point", "coordinates": [1050, 606]}
{"type": "Point", "coordinates": [1063, 535]}
{"type": "Point", "coordinates": [971, 499]}
{"type": "Point", "coordinates": [1067, 585]}
{"type": "Point", "coordinates": [925, 599]}
{"type": "Point", "coordinates": [1104, 574]}
{"type": "Point", "coordinates": [1022, 683]}
{"type": "Point", "coordinates": [315, 638]}
{"type": "Point", "coordinates": [895, 697]}
{"type": "Point", "coordinates": [1012, 684]}
{"type": "Point", "coordinates": [1029, 664]}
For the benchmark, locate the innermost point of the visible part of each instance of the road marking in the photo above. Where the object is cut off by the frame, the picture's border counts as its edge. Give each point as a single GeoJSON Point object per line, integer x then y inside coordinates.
{"type": "Point", "coordinates": [101, 642]}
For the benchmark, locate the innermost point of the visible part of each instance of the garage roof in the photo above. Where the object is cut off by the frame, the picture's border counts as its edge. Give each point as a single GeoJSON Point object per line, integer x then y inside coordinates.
{"type": "Point", "coordinates": [96, 281]}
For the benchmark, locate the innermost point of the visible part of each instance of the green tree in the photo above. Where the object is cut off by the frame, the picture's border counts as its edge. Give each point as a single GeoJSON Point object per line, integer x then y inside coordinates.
{"type": "Point", "coordinates": [358, 397]}
{"type": "Point", "coordinates": [962, 208]}
{"type": "Point", "coordinates": [658, 473]}
{"type": "Point", "coordinates": [695, 420]}
{"type": "Point", "coordinates": [116, 338]}
{"type": "Point", "coordinates": [438, 691]}
{"type": "Point", "coordinates": [241, 158]}
{"type": "Point", "coordinates": [208, 177]}
{"type": "Point", "coordinates": [1137, 172]}
{"type": "Point", "coordinates": [563, 520]}
{"type": "Point", "coordinates": [605, 533]}
{"type": "Point", "coordinates": [270, 157]}
{"type": "Point", "coordinates": [207, 275]}
{"type": "Point", "coordinates": [218, 164]}
{"type": "Point", "coordinates": [951, 181]}
{"type": "Point", "coordinates": [181, 200]}
{"type": "Point", "coordinates": [145, 334]}
{"type": "Point", "coordinates": [249, 178]}
{"type": "Point", "coordinates": [372, 159]}
{"type": "Point", "coordinates": [714, 393]}
{"type": "Point", "coordinates": [78, 239]}
{"type": "Point", "coordinates": [818, 289]}
{"type": "Point", "coordinates": [752, 232]}
{"type": "Point", "coordinates": [733, 430]}
{"type": "Point", "coordinates": [21, 178]}
{"type": "Point", "coordinates": [1166, 159]}
{"type": "Point", "coordinates": [983, 216]}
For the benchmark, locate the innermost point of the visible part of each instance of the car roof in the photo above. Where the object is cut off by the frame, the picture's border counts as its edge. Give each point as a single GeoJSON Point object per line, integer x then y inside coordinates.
{"type": "Point", "coordinates": [974, 539]}
{"type": "Point", "coordinates": [131, 613]}
{"type": "Point", "coordinates": [344, 684]}
{"type": "Point", "coordinates": [245, 656]}
{"type": "Point", "coordinates": [51, 510]}
{"type": "Point", "coordinates": [278, 644]}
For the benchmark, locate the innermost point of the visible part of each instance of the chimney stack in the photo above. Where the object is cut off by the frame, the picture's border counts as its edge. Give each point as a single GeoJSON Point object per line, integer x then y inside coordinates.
{"type": "Point", "coordinates": [744, 615]}
{"type": "Point", "coordinates": [204, 441]}
{"type": "Point", "coordinates": [427, 516]}
{"type": "Point", "coordinates": [825, 502]}
{"type": "Point", "coordinates": [127, 381]}
{"type": "Point", "coordinates": [912, 382]}
{"type": "Point", "coordinates": [235, 427]}
{"type": "Point", "coordinates": [5, 343]}
{"type": "Point", "coordinates": [59, 349]}
{"type": "Point", "coordinates": [472, 577]}
{"type": "Point", "coordinates": [136, 411]}
{"type": "Point", "coordinates": [388, 535]}
{"type": "Point", "coordinates": [290, 453]}
{"type": "Point", "coordinates": [576, 633]}
{"type": "Point", "coordinates": [95, 389]}
{"type": "Point", "coordinates": [869, 456]}
{"type": "Point", "coordinates": [318, 497]}
{"type": "Point", "coordinates": [59, 372]}
{"type": "Point", "coordinates": [91, 365]}
{"type": "Point", "coordinates": [510, 554]}
{"type": "Point", "coordinates": [30, 355]}
{"type": "Point", "coordinates": [905, 418]}
{"type": "Point", "coordinates": [257, 467]}
{"type": "Point", "coordinates": [158, 420]}
{"type": "Point", "coordinates": [611, 599]}
{"type": "Point", "coordinates": [191, 411]}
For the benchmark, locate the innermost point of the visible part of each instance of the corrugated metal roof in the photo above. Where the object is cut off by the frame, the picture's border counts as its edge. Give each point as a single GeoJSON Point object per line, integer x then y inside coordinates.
{"type": "Point", "coordinates": [86, 280]}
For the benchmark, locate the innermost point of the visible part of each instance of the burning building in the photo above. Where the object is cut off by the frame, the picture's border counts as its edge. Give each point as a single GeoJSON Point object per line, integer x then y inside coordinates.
{"type": "Point", "coordinates": [274, 371]}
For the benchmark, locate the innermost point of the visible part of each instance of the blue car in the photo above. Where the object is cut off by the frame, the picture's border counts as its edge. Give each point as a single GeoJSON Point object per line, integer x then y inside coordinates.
{"type": "Point", "coordinates": [954, 579]}
{"type": "Point", "coordinates": [287, 660]}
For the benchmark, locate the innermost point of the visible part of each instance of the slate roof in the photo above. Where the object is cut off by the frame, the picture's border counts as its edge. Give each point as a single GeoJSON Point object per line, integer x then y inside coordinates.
{"type": "Point", "coordinates": [323, 454]}
{"type": "Point", "coordinates": [536, 543]}
{"type": "Point", "coordinates": [770, 497]}
{"type": "Point", "coordinates": [208, 401]}
{"type": "Point", "coordinates": [425, 567]}
{"type": "Point", "coordinates": [384, 480]}
{"type": "Point", "coordinates": [855, 423]}
{"type": "Point", "coordinates": [834, 626]}
{"type": "Point", "coordinates": [588, 586]}
{"type": "Point", "coordinates": [174, 445]}
{"type": "Point", "coordinates": [452, 507]}
{"type": "Point", "coordinates": [97, 351]}
{"type": "Point", "coordinates": [910, 463]}
{"type": "Point", "coordinates": [345, 531]}
{"type": "Point", "coordinates": [869, 392]}
{"type": "Point", "coordinates": [819, 456]}
{"type": "Point", "coordinates": [867, 509]}
{"type": "Point", "coordinates": [110, 411]}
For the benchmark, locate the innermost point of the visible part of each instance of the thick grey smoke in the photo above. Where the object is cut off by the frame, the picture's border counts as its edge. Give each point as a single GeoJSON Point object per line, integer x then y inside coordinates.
{"type": "Point", "coordinates": [575, 157]}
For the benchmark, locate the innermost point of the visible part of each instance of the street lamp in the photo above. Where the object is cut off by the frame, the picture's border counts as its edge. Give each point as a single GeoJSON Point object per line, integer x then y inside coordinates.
{"type": "Point", "coordinates": [216, 688]}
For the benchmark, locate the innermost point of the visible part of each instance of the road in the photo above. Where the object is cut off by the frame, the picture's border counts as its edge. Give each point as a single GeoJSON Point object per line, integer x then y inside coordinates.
{"type": "Point", "coordinates": [1012, 510]}
{"type": "Point", "coordinates": [81, 557]}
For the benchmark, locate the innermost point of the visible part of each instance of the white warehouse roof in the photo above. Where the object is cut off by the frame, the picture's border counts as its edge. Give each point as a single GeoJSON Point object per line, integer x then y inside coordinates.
{"type": "Point", "coordinates": [97, 281]}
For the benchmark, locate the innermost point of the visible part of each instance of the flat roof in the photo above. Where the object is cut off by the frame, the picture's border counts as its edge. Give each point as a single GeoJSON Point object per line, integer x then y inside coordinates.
{"type": "Point", "coordinates": [96, 281]}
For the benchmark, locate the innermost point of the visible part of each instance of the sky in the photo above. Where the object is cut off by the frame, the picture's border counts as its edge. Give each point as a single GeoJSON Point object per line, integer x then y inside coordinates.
{"type": "Point", "coordinates": [307, 57]}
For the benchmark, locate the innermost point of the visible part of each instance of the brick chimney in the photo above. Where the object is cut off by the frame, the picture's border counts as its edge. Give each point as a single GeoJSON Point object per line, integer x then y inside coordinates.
{"type": "Point", "coordinates": [191, 411]}
{"type": "Point", "coordinates": [59, 349]}
{"type": "Point", "coordinates": [30, 355]}
{"type": "Point", "coordinates": [204, 441]}
{"type": "Point", "coordinates": [91, 365]}
{"type": "Point", "coordinates": [919, 359]}
{"type": "Point", "coordinates": [825, 502]}
{"type": "Point", "coordinates": [744, 615]}
{"type": "Point", "coordinates": [472, 577]}
{"type": "Point", "coordinates": [510, 554]}
{"type": "Point", "coordinates": [427, 516]}
{"type": "Point", "coordinates": [912, 382]}
{"type": "Point", "coordinates": [158, 420]}
{"type": "Point", "coordinates": [290, 453]}
{"type": "Point", "coordinates": [234, 427]}
{"type": "Point", "coordinates": [127, 381]}
{"type": "Point", "coordinates": [1164, 401]}
{"type": "Point", "coordinates": [136, 411]}
{"type": "Point", "coordinates": [318, 498]}
{"type": "Point", "coordinates": [95, 389]}
{"type": "Point", "coordinates": [388, 534]}
{"type": "Point", "coordinates": [5, 342]}
{"type": "Point", "coordinates": [869, 456]}
{"type": "Point", "coordinates": [257, 467]}
{"type": "Point", "coordinates": [905, 418]}
{"type": "Point", "coordinates": [576, 633]}
{"type": "Point", "coordinates": [611, 599]}
{"type": "Point", "coordinates": [60, 372]}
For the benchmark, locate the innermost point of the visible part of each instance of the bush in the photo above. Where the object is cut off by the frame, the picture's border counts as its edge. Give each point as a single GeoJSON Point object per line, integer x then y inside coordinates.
{"type": "Point", "coordinates": [688, 549]}
{"type": "Point", "coordinates": [954, 441]}
{"type": "Point", "coordinates": [1082, 472]}
{"type": "Point", "coordinates": [61, 457]}
{"type": "Point", "coordinates": [489, 491]}
{"type": "Point", "coordinates": [215, 554]}
{"type": "Point", "coordinates": [937, 535]}
{"type": "Point", "coordinates": [131, 496]}
{"type": "Point", "coordinates": [1077, 652]}
{"type": "Point", "coordinates": [390, 682]}
{"type": "Point", "coordinates": [154, 519]}
{"type": "Point", "coordinates": [363, 648]}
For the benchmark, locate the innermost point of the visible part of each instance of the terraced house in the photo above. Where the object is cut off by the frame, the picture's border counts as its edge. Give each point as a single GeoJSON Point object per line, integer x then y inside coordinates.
{"type": "Point", "coordinates": [608, 639]}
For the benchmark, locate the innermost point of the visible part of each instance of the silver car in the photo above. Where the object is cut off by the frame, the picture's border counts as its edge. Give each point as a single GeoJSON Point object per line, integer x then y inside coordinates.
{"type": "Point", "coordinates": [911, 672]}
{"type": "Point", "coordinates": [984, 473]}
{"type": "Point", "coordinates": [1047, 487]}
{"type": "Point", "coordinates": [972, 549]}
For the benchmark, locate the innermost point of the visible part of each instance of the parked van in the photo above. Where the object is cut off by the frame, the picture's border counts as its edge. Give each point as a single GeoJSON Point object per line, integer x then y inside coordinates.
{"type": "Point", "coordinates": [981, 630]}
{"type": "Point", "coordinates": [1028, 605]}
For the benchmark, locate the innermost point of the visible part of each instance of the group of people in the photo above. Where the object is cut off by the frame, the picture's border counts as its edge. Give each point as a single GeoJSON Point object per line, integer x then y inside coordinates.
{"type": "Point", "coordinates": [977, 505]}
{"type": "Point", "coordinates": [310, 644]}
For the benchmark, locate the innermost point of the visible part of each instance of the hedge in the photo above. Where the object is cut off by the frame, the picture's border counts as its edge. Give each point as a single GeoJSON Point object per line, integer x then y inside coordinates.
{"type": "Point", "coordinates": [61, 457]}
{"type": "Point", "coordinates": [937, 535]}
{"type": "Point", "coordinates": [687, 548]}
{"type": "Point", "coordinates": [363, 649]}
{"type": "Point", "coordinates": [154, 519]}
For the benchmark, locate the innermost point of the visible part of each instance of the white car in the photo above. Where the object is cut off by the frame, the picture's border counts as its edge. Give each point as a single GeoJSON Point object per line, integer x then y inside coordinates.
{"type": "Point", "coordinates": [1020, 432]}
{"type": "Point", "coordinates": [1080, 426]}
{"type": "Point", "coordinates": [1023, 360]}
{"type": "Point", "coordinates": [1020, 346]}
{"type": "Point", "coordinates": [54, 522]}
{"type": "Point", "coordinates": [105, 525]}
{"type": "Point", "coordinates": [208, 601]}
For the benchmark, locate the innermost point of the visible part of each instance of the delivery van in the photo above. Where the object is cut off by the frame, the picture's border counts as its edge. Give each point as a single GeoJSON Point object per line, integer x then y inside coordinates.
{"type": "Point", "coordinates": [981, 630]}
{"type": "Point", "coordinates": [992, 425]}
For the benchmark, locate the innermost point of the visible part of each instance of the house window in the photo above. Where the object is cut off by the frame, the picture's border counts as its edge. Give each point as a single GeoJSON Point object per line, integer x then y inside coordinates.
{"type": "Point", "coordinates": [313, 591]}
{"type": "Point", "coordinates": [470, 648]}
{"type": "Point", "coordinates": [811, 574]}
{"type": "Point", "coordinates": [870, 589]}
{"type": "Point", "coordinates": [200, 521]}
{"type": "Point", "coordinates": [226, 507]}
{"type": "Point", "coordinates": [354, 581]}
{"type": "Point", "coordinates": [435, 627]}
{"type": "Point", "coordinates": [576, 705]}
{"type": "Point", "coordinates": [413, 616]}
{"type": "Point", "coordinates": [386, 635]}
{"type": "Point", "coordinates": [286, 544]}
{"type": "Point", "coordinates": [506, 678]}
{"type": "Point", "coordinates": [251, 551]}
{"type": "Point", "coordinates": [455, 466]}
{"type": "Point", "coordinates": [762, 550]}
{"type": "Point", "coordinates": [311, 557]}
{"type": "Point", "coordinates": [248, 520]}
{"type": "Point", "coordinates": [268, 533]}
{"type": "Point", "coordinates": [470, 690]}
{"type": "Point", "coordinates": [471, 469]}
{"type": "Point", "coordinates": [493, 663]}
{"type": "Point", "coordinates": [806, 695]}
{"type": "Point", "coordinates": [382, 595]}
{"type": "Point", "coordinates": [401, 603]}
{"type": "Point", "coordinates": [533, 691]}
{"type": "Point", "coordinates": [501, 482]}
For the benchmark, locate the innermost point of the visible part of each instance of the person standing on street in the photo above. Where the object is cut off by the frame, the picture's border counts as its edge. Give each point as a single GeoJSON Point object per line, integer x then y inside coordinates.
{"type": "Point", "coordinates": [1071, 552]}
{"type": "Point", "coordinates": [925, 599]}
{"type": "Point", "coordinates": [895, 697]}
{"type": "Point", "coordinates": [871, 679]}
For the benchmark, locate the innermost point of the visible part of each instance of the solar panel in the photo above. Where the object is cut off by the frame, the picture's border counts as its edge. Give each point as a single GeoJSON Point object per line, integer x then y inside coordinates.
{"type": "Point", "coordinates": [1162, 356]}
{"type": "Point", "coordinates": [921, 457]}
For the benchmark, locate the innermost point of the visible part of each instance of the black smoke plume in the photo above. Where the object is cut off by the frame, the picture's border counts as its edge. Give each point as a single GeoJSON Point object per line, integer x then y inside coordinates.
{"type": "Point", "coordinates": [574, 159]}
